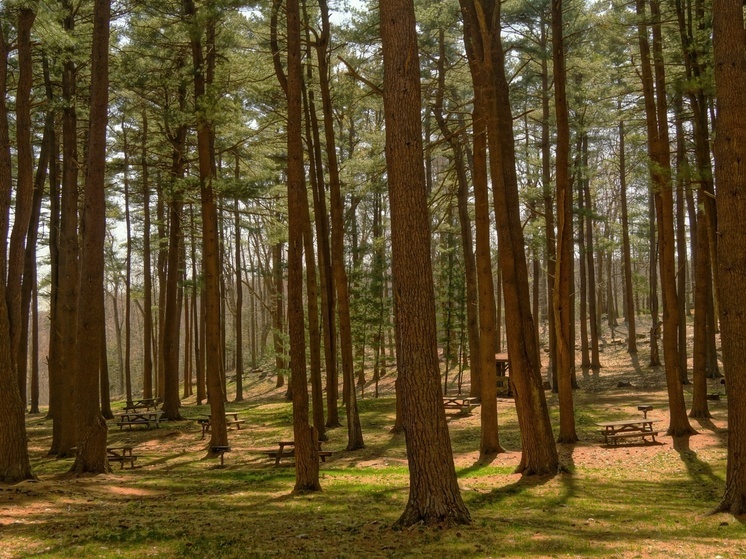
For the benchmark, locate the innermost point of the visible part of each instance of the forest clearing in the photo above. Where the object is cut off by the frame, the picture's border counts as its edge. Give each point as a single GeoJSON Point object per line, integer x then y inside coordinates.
{"type": "Point", "coordinates": [631, 501]}
{"type": "Point", "coordinates": [301, 226]}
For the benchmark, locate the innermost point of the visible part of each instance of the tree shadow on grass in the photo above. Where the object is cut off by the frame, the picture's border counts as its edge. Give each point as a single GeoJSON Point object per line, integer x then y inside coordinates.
{"type": "Point", "coordinates": [700, 472]}
{"type": "Point", "coordinates": [498, 494]}
{"type": "Point", "coordinates": [706, 423]}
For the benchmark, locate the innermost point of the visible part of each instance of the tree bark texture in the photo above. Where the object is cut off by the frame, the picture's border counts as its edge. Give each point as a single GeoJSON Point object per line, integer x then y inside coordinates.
{"type": "Point", "coordinates": [730, 157]}
{"type": "Point", "coordinates": [563, 280]}
{"type": "Point", "coordinates": [434, 494]}
{"type": "Point", "coordinates": [660, 172]}
{"type": "Point", "coordinates": [91, 430]}
{"type": "Point", "coordinates": [484, 48]}
{"type": "Point", "coordinates": [306, 439]}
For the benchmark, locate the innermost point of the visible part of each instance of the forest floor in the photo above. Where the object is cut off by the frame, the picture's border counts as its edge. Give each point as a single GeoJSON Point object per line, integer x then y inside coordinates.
{"type": "Point", "coordinates": [630, 501]}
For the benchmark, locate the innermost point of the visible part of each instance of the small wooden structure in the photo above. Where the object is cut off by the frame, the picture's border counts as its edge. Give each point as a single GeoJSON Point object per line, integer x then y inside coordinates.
{"type": "Point", "coordinates": [502, 366]}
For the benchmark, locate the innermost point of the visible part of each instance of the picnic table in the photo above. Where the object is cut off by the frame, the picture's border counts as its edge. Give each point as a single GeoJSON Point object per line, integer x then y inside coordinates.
{"type": "Point", "coordinates": [463, 404]}
{"type": "Point", "coordinates": [138, 417]}
{"type": "Point", "coordinates": [614, 431]}
{"type": "Point", "coordinates": [281, 453]}
{"type": "Point", "coordinates": [143, 404]}
{"type": "Point", "coordinates": [121, 454]}
{"type": "Point", "coordinates": [231, 420]}
{"type": "Point", "coordinates": [502, 366]}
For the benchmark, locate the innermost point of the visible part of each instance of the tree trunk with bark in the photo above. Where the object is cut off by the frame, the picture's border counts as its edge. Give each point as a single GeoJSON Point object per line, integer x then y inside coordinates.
{"type": "Point", "coordinates": [729, 39]}
{"type": "Point", "coordinates": [434, 494]}
{"type": "Point", "coordinates": [210, 244]}
{"type": "Point", "coordinates": [486, 59]}
{"type": "Point", "coordinates": [660, 170]}
{"type": "Point", "coordinates": [306, 438]}
{"type": "Point", "coordinates": [563, 279]}
{"type": "Point", "coordinates": [91, 429]}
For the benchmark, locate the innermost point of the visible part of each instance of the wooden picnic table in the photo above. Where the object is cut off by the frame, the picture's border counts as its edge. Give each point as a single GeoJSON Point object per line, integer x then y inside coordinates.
{"type": "Point", "coordinates": [614, 431]}
{"type": "Point", "coordinates": [121, 454]}
{"type": "Point", "coordinates": [502, 366]}
{"type": "Point", "coordinates": [231, 420]}
{"type": "Point", "coordinates": [138, 417]}
{"type": "Point", "coordinates": [463, 404]}
{"type": "Point", "coordinates": [281, 453]}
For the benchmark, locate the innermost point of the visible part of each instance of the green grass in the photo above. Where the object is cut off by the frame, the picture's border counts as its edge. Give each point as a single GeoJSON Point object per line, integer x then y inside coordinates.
{"type": "Point", "coordinates": [625, 502]}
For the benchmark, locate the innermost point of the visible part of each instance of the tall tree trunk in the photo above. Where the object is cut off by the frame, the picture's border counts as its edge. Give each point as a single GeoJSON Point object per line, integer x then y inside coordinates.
{"type": "Point", "coordinates": [197, 315]}
{"type": "Point", "coordinates": [434, 494]}
{"type": "Point", "coordinates": [593, 312]}
{"type": "Point", "coordinates": [103, 367]}
{"type": "Point", "coordinates": [729, 40]}
{"type": "Point", "coordinates": [354, 429]}
{"type": "Point", "coordinates": [585, 294]}
{"type": "Point", "coordinates": [14, 459]}
{"type": "Point", "coordinates": [682, 175]}
{"type": "Point", "coordinates": [306, 438]}
{"type": "Point", "coordinates": [24, 192]}
{"type": "Point", "coordinates": [484, 48]}
{"type": "Point", "coordinates": [172, 315]}
{"type": "Point", "coordinates": [456, 142]}
{"type": "Point", "coordinates": [210, 245]}
{"type": "Point", "coordinates": [63, 348]}
{"type": "Point", "coordinates": [34, 344]}
{"type": "Point", "coordinates": [563, 279]}
{"type": "Point", "coordinates": [239, 299]}
{"type": "Point", "coordinates": [91, 427]}
{"type": "Point", "coordinates": [128, 273]}
{"type": "Point", "coordinates": [489, 442]}
{"type": "Point", "coordinates": [546, 180]}
{"type": "Point", "coordinates": [29, 263]}
{"type": "Point", "coordinates": [629, 307]}
{"type": "Point", "coordinates": [147, 331]}
{"type": "Point", "coordinates": [660, 170]}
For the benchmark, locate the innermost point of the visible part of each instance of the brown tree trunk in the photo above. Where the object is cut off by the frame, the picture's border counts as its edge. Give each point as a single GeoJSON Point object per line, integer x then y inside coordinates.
{"type": "Point", "coordinates": [354, 430]}
{"type": "Point", "coordinates": [306, 438]}
{"type": "Point", "coordinates": [729, 40]}
{"type": "Point", "coordinates": [546, 179]}
{"type": "Point", "coordinates": [210, 245]}
{"type": "Point", "coordinates": [239, 300]}
{"type": "Point", "coordinates": [490, 442]}
{"type": "Point", "coordinates": [657, 128]}
{"type": "Point", "coordinates": [682, 175]}
{"type": "Point", "coordinates": [91, 427]}
{"type": "Point", "coordinates": [563, 279]}
{"type": "Point", "coordinates": [197, 321]}
{"type": "Point", "coordinates": [312, 287]}
{"type": "Point", "coordinates": [24, 192]}
{"type": "Point", "coordinates": [593, 312]}
{"type": "Point", "coordinates": [63, 347]}
{"type": "Point", "coordinates": [629, 307]}
{"type": "Point", "coordinates": [456, 142]}
{"type": "Point", "coordinates": [128, 272]}
{"type": "Point", "coordinates": [14, 459]}
{"type": "Point", "coordinates": [172, 315]}
{"type": "Point", "coordinates": [434, 494]}
{"type": "Point", "coordinates": [29, 263]}
{"type": "Point", "coordinates": [103, 366]}
{"type": "Point", "coordinates": [147, 370]}
{"type": "Point", "coordinates": [485, 51]}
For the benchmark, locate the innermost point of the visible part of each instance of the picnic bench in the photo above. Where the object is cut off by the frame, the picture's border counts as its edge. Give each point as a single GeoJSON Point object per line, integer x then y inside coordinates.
{"type": "Point", "coordinates": [463, 404]}
{"type": "Point", "coordinates": [614, 431]}
{"type": "Point", "coordinates": [502, 366]}
{"type": "Point", "coordinates": [231, 420]}
{"type": "Point", "coordinates": [143, 404]}
{"type": "Point", "coordinates": [281, 453]}
{"type": "Point", "coordinates": [140, 417]}
{"type": "Point", "coordinates": [121, 454]}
